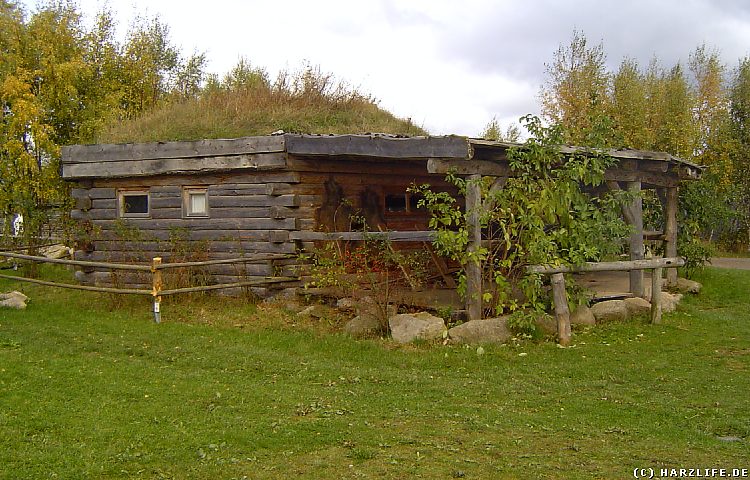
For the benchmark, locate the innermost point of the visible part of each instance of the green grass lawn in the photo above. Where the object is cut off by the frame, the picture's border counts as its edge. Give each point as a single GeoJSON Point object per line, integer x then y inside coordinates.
{"type": "Point", "coordinates": [92, 391]}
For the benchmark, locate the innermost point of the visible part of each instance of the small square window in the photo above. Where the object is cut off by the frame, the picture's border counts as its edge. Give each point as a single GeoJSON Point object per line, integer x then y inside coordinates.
{"type": "Point", "coordinates": [134, 203]}
{"type": "Point", "coordinates": [195, 202]}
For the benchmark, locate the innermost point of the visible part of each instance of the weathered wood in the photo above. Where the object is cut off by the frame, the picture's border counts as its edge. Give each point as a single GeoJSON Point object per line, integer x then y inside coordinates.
{"type": "Point", "coordinates": [636, 237]}
{"type": "Point", "coordinates": [79, 287]}
{"type": "Point", "coordinates": [468, 167]}
{"type": "Point", "coordinates": [246, 259]}
{"type": "Point", "coordinates": [144, 168]}
{"type": "Point", "coordinates": [609, 266]}
{"type": "Point", "coordinates": [245, 189]}
{"type": "Point", "coordinates": [416, 236]}
{"type": "Point", "coordinates": [215, 178]}
{"type": "Point", "coordinates": [156, 287]}
{"type": "Point", "coordinates": [81, 263]}
{"type": "Point", "coordinates": [670, 231]}
{"type": "Point", "coordinates": [247, 283]}
{"type": "Point", "coordinates": [649, 178]}
{"type": "Point", "coordinates": [234, 224]}
{"type": "Point", "coordinates": [328, 165]}
{"type": "Point", "coordinates": [474, 266]}
{"type": "Point", "coordinates": [240, 200]}
{"type": "Point", "coordinates": [378, 146]}
{"type": "Point", "coordinates": [94, 193]}
{"type": "Point", "coordinates": [562, 314]}
{"type": "Point", "coordinates": [656, 295]}
{"type": "Point", "coordinates": [155, 150]}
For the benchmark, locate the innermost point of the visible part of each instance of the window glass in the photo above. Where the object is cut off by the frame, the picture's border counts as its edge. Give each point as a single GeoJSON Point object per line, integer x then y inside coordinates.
{"type": "Point", "coordinates": [195, 202]}
{"type": "Point", "coordinates": [134, 204]}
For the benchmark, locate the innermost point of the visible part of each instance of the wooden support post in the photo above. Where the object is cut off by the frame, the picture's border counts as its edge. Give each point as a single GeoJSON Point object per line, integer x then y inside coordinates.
{"type": "Point", "coordinates": [474, 267]}
{"type": "Point", "coordinates": [636, 238]}
{"type": "Point", "coordinates": [562, 315]}
{"type": "Point", "coordinates": [670, 231]}
{"type": "Point", "coordinates": [656, 295]}
{"type": "Point", "coordinates": [157, 287]}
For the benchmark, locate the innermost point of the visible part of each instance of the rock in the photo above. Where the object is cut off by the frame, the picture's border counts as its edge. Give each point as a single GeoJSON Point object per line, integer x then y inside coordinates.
{"type": "Point", "coordinates": [609, 311]}
{"type": "Point", "coordinates": [346, 304]}
{"type": "Point", "coordinates": [546, 324]}
{"type": "Point", "coordinates": [408, 327]}
{"type": "Point", "coordinates": [316, 311]}
{"type": "Point", "coordinates": [637, 306]}
{"type": "Point", "coordinates": [688, 286]}
{"type": "Point", "coordinates": [582, 316]}
{"type": "Point", "coordinates": [491, 330]}
{"type": "Point", "coordinates": [669, 301]}
{"type": "Point", "coordinates": [366, 326]}
{"type": "Point", "coordinates": [14, 299]}
{"type": "Point", "coordinates": [368, 308]}
{"type": "Point", "coordinates": [57, 251]}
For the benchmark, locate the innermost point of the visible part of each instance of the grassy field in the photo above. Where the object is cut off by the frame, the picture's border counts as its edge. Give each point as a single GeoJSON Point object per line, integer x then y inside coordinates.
{"type": "Point", "coordinates": [236, 391]}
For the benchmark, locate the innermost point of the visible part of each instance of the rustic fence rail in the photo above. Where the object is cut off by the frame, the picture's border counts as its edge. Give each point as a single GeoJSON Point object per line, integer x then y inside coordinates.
{"type": "Point", "coordinates": [157, 287]}
{"type": "Point", "coordinates": [562, 314]}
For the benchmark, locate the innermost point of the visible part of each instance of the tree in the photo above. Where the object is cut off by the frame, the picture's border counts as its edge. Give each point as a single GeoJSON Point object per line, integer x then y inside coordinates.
{"type": "Point", "coordinates": [575, 94]}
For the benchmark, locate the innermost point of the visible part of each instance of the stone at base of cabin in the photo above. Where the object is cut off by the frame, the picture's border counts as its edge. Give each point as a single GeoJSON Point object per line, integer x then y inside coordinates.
{"type": "Point", "coordinates": [637, 306]}
{"type": "Point", "coordinates": [13, 299]}
{"type": "Point", "coordinates": [610, 311]}
{"type": "Point", "coordinates": [408, 327]}
{"type": "Point", "coordinates": [669, 301]}
{"type": "Point", "coordinates": [546, 324]}
{"type": "Point", "coordinates": [363, 326]}
{"type": "Point", "coordinates": [346, 304]}
{"type": "Point", "coordinates": [315, 311]}
{"type": "Point", "coordinates": [476, 332]}
{"type": "Point", "coordinates": [57, 251]}
{"type": "Point", "coordinates": [367, 307]}
{"type": "Point", "coordinates": [688, 286]}
{"type": "Point", "coordinates": [582, 316]}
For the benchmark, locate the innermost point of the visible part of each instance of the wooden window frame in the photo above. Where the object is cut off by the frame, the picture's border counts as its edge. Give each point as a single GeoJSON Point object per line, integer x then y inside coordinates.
{"type": "Point", "coordinates": [122, 194]}
{"type": "Point", "coordinates": [186, 193]}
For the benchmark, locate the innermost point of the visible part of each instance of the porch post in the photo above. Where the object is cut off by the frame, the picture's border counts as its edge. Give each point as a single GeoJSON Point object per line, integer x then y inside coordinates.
{"type": "Point", "coordinates": [474, 268]}
{"type": "Point", "coordinates": [636, 238]}
{"type": "Point", "coordinates": [670, 231]}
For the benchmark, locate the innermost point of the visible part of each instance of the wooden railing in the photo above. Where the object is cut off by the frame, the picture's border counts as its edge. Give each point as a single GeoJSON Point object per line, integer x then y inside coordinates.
{"type": "Point", "coordinates": [157, 285]}
{"type": "Point", "coordinates": [562, 314]}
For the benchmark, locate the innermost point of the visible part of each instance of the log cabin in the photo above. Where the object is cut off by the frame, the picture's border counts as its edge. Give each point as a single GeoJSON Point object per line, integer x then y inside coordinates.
{"type": "Point", "coordinates": [279, 194]}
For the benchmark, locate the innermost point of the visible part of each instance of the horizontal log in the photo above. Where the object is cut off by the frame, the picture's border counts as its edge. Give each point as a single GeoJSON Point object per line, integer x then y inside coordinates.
{"type": "Point", "coordinates": [378, 146]}
{"type": "Point", "coordinates": [417, 236]}
{"type": "Point", "coordinates": [94, 193]}
{"type": "Point", "coordinates": [239, 200]}
{"type": "Point", "coordinates": [235, 224]}
{"type": "Point", "coordinates": [610, 266]}
{"type": "Point", "coordinates": [130, 291]}
{"type": "Point", "coordinates": [155, 150]}
{"type": "Point", "coordinates": [273, 189]}
{"type": "Point", "coordinates": [80, 263]}
{"type": "Point", "coordinates": [215, 235]}
{"type": "Point", "coordinates": [214, 178]}
{"type": "Point", "coordinates": [245, 259]}
{"type": "Point", "coordinates": [144, 168]}
{"type": "Point", "coordinates": [247, 283]}
{"type": "Point", "coordinates": [468, 167]}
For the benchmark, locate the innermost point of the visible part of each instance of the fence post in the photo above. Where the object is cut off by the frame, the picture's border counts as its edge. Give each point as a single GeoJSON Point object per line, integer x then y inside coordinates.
{"type": "Point", "coordinates": [157, 287]}
{"type": "Point", "coordinates": [656, 295]}
{"type": "Point", "coordinates": [562, 314]}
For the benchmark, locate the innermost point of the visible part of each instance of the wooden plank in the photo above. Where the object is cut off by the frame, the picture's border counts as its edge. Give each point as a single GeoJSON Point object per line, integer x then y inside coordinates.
{"type": "Point", "coordinates": [609, 266]}
{"type": "Point", "coordinates": [154, 150]}
{"type": "Point", "coordinates": [144, 168]}
{"type": "Point", "coordinates": [474, 266]}
{"type": "Point", "coordinates": [94, 193]}
{"type": "Point", "coordinates": [450, 146]}
{"type": "Point", "coordinates": [656, 295]}
{"type": "Point", "coordinates": [562, 315]}
{"type": "Point", "coordinates": [468, 167]}
{"type": "Point", "coordinates": [328, 165]}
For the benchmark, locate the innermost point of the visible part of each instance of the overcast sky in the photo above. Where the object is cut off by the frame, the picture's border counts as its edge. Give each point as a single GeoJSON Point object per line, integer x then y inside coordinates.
{"type": "Point", "coordinates": [450, 66]}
